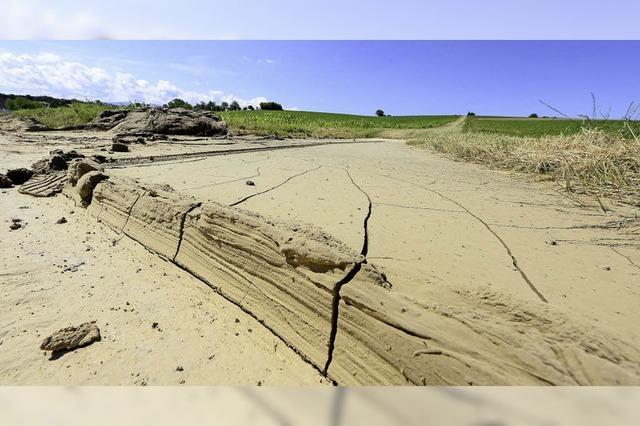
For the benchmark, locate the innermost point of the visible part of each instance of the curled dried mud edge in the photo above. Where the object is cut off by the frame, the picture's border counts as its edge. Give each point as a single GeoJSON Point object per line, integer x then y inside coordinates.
{"type": "Point", "coordinates": [301, 247]}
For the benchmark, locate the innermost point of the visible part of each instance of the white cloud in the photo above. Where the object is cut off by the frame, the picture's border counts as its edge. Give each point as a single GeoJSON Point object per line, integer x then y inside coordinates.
{"type": "Point", "coordinates": [33, 20]}
{"type": "Point", "coordinates": [49, 74]}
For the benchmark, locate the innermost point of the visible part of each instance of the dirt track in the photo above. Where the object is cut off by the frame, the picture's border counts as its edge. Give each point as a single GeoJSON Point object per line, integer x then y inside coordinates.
{"type": "Point", "coordinates": [511, 276]}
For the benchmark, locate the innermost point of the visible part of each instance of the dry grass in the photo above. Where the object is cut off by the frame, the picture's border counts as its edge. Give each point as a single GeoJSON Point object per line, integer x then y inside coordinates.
{"type": "Point", "coordinates": [590, 162]}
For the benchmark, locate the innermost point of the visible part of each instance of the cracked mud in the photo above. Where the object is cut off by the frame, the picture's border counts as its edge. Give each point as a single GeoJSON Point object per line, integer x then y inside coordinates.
{"type": "Point", "coordinates": [365, 262]}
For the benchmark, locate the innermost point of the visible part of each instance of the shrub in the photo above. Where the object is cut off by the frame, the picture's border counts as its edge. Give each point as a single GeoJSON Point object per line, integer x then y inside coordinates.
{"type": "Point", "coordinates": [534, 115]}
{"type": "Point", "coordinates": [270, 106]}
{"type": "Point", "coordinates": [380, 113]}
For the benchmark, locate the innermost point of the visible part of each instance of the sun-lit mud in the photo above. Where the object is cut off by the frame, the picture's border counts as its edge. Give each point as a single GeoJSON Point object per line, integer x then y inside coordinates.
{"type": "Point", "coordinates": [410, 268]}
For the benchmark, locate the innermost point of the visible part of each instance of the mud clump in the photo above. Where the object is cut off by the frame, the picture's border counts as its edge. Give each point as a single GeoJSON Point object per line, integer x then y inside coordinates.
{"type": "Point", "coordinates": [149, 121]}
{"type": "Point", "coordinates": [19, 176]}
{"type": "Point", "coordinates": [80, 167]}
{"type": "Point", "coordinates": [57, 161]}
{"type": "Point", "coordinates": [5, 182]}
{"type": "Point", "coordinates": [70, 338]}
{"type": "Point", "coordinates": [119, 147]}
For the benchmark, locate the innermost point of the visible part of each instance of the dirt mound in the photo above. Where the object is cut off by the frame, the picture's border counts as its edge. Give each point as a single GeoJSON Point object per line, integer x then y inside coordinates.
{"type": "Point", "coordinates": [175, 121]}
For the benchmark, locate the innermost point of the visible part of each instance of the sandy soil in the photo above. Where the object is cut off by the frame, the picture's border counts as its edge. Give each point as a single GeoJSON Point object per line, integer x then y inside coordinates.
{"type": "Point", "coordinates": [507, 270]}
{"type": "Point", "coordinates": [56, 275]}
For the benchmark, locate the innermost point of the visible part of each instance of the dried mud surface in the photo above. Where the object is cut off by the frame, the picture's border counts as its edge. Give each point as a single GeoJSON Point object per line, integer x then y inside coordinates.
{"type": "Point", "coordinates": [363, 262]}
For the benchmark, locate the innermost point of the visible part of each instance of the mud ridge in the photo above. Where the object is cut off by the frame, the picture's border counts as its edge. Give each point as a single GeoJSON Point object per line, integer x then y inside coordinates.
{"type": "Point", "coordinates": [137, 161]}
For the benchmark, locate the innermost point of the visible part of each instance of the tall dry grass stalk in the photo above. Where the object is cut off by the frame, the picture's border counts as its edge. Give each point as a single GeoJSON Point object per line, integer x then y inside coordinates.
{"type": "Point", "coordinates": [590, 162]}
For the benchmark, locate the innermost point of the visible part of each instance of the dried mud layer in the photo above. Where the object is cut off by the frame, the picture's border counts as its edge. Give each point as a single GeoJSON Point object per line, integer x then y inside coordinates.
{"type": "Point", "coordinates": [286, 261]}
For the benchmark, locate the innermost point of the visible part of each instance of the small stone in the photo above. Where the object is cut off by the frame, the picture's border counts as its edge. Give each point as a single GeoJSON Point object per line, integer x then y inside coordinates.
{"type": "Point", "coordinates": [179, 368]}
{"type": "Point", "coordinates": [250, 183]}
{"type": "Point", "coordinates": [61, 220]}
{"type": "Point", "coordinates": [154, 325]}
{"type": "Point", "coordinates": [15, 225]}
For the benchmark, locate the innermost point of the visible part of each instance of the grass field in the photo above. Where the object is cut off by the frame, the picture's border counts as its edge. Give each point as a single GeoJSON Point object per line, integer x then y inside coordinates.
{"type": "Point", "coordinates": [590, 161]}
{"type": "Point", "coordinates": [321, 124]}
{"type": "Point", "coordinates": [539, 127]}
{"type": "Point", "coordinates": [72, 115]}
{"type": "Point", "coordinates": [265, 123]}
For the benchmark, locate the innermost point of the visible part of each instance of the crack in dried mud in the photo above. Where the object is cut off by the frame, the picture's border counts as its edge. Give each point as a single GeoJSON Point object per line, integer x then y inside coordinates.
{"type": "Point", "coordinates": [225, 182]}
{"type": "Point", "coordinates": [182, 221]}
{"type": "Point", "coordinates": [400, 206]}
{"type": "Point", "coordinates": [335, 312]}
{"type": "Point", "coordinates": [274, 187]}
{"type": "Point", "coordinates": [335, 305]}
{"type": "Point", "coordinates": [626, 257]}
{"type": "Point", "coordinates": [514, 261]}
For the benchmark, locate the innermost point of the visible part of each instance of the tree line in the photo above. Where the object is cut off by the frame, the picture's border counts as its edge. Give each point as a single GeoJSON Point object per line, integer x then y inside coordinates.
{"type": "Point", "coordinates": [223, 106]}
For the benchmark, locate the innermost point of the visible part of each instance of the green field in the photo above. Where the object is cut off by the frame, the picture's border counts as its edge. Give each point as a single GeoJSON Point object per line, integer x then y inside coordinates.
{"type": "Point", "coordinates": [321, 124]}
{"type": "Point", "coordinates": [538, 127]}
{"type": "Point", "coordinates": [74, 114]}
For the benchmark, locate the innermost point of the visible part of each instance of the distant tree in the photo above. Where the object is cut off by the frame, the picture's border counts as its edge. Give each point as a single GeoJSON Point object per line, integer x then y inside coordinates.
{"type": "Point", "coordinates": [380, 113]}
{"type": "Point", "coordinates": [178, 103]}
{"type": "Point", "coordinates": [212, 106]}
{"type": "Point", "coordinates": [270, 106]}
{"type": "Point", "coordinates": [534, 115]}
{"type": "Point", "coordinates": [250, 107]}
{"type": "Point", "coordinates": [235, 106]}
{"type": "Point", "coordinates": [471, 114]}
{"type": "Point", "coordinates": [224, 106]}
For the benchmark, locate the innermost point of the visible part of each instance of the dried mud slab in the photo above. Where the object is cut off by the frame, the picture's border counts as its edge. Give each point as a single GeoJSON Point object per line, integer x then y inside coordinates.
{"type": "Point", "coordinates": [339, 313]}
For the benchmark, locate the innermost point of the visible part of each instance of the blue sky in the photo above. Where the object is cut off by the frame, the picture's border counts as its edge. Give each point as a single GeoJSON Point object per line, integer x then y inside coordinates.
{"type": "Point", "coordinates": [401, 77]}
